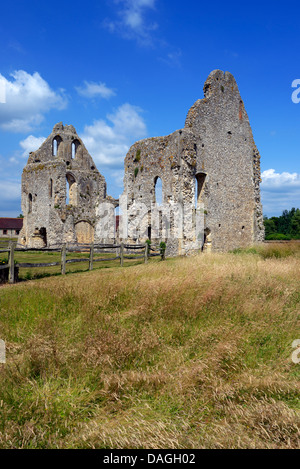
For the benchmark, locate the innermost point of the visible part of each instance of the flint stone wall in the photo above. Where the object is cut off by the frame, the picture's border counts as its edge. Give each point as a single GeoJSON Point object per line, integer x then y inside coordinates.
{"type": "Point", "coordinates": [216, 147]}
{"type": "Point", "coordinates": [54, 173]}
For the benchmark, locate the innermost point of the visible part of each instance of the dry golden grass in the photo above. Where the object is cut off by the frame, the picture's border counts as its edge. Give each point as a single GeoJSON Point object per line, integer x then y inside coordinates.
{"type": "Point", "coordinates": [187, 353]}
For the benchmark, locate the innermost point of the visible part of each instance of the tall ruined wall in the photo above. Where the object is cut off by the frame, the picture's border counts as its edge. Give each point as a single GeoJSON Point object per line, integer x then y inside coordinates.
{"type": "Point", "coordinates": [213, 161]}
{"type": "Point", "coordinates": [173, 160]}
{"type": "Point", "coordinates": [61, 188]}
{"type": "Point", "coordinates": [228, 154]}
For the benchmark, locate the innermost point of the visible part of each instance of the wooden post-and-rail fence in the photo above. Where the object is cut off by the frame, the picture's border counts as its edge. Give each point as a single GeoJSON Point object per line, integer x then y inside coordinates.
{"type": "Point", "coordinates": [121, 251]}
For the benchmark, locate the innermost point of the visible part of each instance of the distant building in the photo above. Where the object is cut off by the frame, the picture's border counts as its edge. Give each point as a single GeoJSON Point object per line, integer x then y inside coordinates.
{"type": "Point", "coordinates": [10, 227]}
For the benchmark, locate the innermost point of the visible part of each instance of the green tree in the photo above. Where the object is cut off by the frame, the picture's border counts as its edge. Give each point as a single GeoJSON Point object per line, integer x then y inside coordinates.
{"type": "Point", "coordinates": [270, 226]}
{"type": "Point", "coordinates": [295, 224]}
{"type": "Point", "coordinates": [284, 227]}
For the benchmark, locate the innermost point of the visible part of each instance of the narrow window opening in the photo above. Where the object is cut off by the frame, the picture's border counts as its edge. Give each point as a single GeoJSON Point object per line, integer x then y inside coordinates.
{"type": "Point", "coordinates": [75, 146]}
{"type": "Point", "coordinates": [158, 193]}
{"type": "Point", "coordinates": [55, 145]}
{"type": "Point", "coordinates": [199, 188]}
{"type": "Point", "coordinates": [51, 189]}
{"type": "Point", "coordinates": [29, 203]}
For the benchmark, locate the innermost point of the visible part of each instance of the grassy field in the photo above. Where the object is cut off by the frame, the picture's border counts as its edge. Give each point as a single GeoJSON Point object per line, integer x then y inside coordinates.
{"type": "Point", "coordinates": [187, 353]}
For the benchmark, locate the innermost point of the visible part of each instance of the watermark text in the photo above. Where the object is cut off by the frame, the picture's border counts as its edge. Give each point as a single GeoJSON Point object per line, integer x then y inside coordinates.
{"type": "Point", "coordinates": [296, 353]}
{"type": "Point", "coordinates": [2, 352]}
{"type": "Point", "coordinates": [296, 92]}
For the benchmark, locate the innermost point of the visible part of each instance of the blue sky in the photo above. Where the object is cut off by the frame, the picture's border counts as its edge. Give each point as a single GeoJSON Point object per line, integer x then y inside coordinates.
{"type": "Point", "coordinates": [122, 70]}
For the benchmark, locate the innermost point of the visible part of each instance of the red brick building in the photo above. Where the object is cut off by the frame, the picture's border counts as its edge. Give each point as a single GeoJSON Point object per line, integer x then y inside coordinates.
{"type": "Point", "coordinates": [10, 227]}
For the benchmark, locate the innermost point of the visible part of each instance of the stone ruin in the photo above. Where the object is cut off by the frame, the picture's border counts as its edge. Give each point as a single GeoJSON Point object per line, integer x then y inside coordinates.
{"type": "Point", "coordinates": [209, 170]}
{"type": "Point", "coordinates": [61, 192]}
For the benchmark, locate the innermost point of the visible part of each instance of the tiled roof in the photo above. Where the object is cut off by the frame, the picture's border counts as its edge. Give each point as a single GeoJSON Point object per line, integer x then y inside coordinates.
{"type": "Point", "coordinates": [11, 223]}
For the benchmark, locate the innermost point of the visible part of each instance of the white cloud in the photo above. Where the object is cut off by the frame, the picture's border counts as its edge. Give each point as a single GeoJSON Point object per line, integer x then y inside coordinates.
{"type": "Point", "coordinates": [272, 180]}
{"type": "Point", "coordinates": [133, 22]}
{"type": "Point", "coordinates": [28, 98]}
{"type": "Point", "coordinates": [10, 191]}
{"type": "Point", "coordinates": [118, 177]}
{"type": "Point", "coordinates": [10, 200]}
{"type": "Point", "coordinates": [92, 90]}
{"type": "Point", "coordinates": [173, 59]}
{"type": "Point", "coordinates": [109, 143]}
{"type": "Point", "coordinates": [280, 191]}
{"type": "Point", "coordinates": [31, 143]}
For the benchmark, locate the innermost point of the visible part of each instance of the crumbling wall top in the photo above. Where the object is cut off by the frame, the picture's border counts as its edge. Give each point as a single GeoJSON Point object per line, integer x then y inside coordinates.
{"type": "Point", "coordinates": [63, 146]}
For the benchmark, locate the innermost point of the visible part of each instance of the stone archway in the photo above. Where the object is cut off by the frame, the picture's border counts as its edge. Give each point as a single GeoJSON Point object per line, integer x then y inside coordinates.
{"type": "Point", "coordinates": [85, 232]}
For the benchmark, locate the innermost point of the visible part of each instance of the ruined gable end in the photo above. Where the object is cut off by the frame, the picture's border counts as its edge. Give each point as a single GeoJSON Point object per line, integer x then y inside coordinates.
{"type": "Point", "coordinates": [61, 188]}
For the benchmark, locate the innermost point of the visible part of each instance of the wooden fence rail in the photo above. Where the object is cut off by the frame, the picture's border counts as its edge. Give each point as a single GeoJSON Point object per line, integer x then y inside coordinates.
{"type": "Point", "coordinates": [122, 251]}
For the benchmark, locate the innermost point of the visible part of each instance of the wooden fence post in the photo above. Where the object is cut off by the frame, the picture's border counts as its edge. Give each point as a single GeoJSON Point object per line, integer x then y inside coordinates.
{"type": "Point", "coordinates": [63, 259]}
{"type": "Point", "coordinates": [146, 253]}
{"type": "Point", "coordinates": [91, 256]}
{"type": "Point", "coordinates": [11, 262]}
{"type": "Point", "coordinates": [122, 254]}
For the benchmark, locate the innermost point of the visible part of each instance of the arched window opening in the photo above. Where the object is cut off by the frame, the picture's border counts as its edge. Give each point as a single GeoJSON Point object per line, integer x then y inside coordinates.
{"type": "Point", "coordinates": [29, 203]}
{"type": "Point", "coordinates": [54, 152]}
{"type": "Point", "coordinates": [55, 144]}
{"type": "Point", "coordinates": [71, 190]}
{"type": "Point", "coordinates": [199, 188]}
{"type": "Point", "coordinates": [158, 192]}
{"type": "Point", "coordinates": [75, 146]}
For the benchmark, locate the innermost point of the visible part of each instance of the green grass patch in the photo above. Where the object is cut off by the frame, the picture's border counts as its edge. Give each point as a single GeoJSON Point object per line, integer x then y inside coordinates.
{"type": "Point", "coordinates": [187, 353]}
